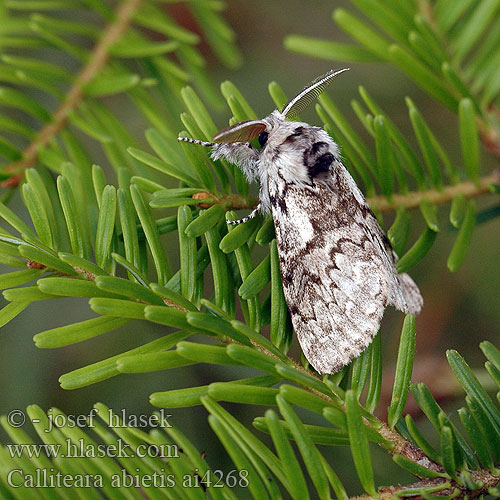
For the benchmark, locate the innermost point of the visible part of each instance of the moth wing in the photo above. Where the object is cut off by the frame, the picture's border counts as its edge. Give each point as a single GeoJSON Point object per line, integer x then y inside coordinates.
{"type": "Point", "coordinates": [241, 132]}
{"type": "Point", "coordinates": [404, 294]}
{"type": "Point", "coordinates": [412, 301]}
{"type": "Point", "coordinates": [337, 279]}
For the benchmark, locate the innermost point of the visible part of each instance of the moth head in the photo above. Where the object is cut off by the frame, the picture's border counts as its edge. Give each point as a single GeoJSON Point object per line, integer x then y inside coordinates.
{"type": "Point", "coordinates": [242, 132]}
{"type": "Point", "coordinates": [248, 130]}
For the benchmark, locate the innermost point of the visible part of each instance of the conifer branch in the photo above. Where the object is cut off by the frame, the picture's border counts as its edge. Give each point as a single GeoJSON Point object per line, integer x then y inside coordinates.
{"type": "Point", "coordinates": [436, 197]}
{"type": "Point", "coordinates": [97, 60]}
{"type": "Point", "coordinates": [457, 491]}
{"type": "Point", "coordinates": [188, 288]}
{"type": "Point", "coordinates": [381, 203]}
{"type": "Point", "coordinates": [401, 446]}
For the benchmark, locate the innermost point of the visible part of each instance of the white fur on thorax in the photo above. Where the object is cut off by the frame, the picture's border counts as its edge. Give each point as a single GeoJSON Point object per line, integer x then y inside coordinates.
{"type": "Point", "coordinates": [280, 161]}
{"type": "Point", "coordinates": [277, 161]}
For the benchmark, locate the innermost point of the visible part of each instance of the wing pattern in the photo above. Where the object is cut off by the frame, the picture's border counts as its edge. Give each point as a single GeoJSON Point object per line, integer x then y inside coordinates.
{"type": "Point", "coordinates": [337, 268]}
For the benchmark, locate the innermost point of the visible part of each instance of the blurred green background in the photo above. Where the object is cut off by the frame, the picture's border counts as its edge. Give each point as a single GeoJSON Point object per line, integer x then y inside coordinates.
{"type": "Point", "coordinates": [460, 309]}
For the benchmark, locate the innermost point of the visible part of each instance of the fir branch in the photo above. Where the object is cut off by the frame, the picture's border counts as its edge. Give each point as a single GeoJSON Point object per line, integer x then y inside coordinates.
{"type": "Point", "coordinates": [399, 445]}
{"type": "Point", "coordinates": [436, 197]}
{"type": "Point", "coordinates": [456, 479]}
{"type": "Point", "coordinates": [97, 60]}
{"type": "Point", "coordinates": [382, 203]}
{"type": "Point", "coordinates": [406, 448]}
{"type": "Point", "coordinates": [450, 487]}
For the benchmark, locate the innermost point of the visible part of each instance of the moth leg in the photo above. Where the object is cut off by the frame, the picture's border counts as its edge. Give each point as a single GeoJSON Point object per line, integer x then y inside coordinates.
{"type": "Point", "coordinates": [251, 215]}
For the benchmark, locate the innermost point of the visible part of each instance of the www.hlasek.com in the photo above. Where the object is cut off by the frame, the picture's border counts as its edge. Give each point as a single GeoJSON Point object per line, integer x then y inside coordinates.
{"type": "Point", "coordinates": [52, 478]}
{"type": "Point", "coordinates": [84, 449]}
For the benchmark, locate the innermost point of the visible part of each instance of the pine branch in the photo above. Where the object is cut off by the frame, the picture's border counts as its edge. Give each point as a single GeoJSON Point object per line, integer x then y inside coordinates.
{"type": "Point", "coordinates": [97, 60]}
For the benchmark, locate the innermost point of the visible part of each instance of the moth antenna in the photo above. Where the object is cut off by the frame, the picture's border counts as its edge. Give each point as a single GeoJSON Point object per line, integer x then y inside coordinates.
{"type": "Point", "coordinates": [197, 141]}
{"type": "Point", "coordinates": [251, 215]}
{"type": "Point", "coordinates": [307, 95]}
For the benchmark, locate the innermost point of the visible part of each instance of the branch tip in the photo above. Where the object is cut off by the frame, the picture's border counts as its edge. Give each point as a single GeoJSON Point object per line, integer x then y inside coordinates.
{"type": "Point", "coordinates": [97, 60]}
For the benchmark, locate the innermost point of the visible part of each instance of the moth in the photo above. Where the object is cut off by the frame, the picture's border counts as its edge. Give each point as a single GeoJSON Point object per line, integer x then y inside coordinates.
{"type": "Point", "coordinates": [337, 266]}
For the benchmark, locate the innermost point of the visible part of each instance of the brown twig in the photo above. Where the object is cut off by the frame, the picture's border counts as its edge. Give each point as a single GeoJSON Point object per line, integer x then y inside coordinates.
{"type": "Point", "coordinates": [487, 479]}
{"type": "Point", "coordinates": [382, 204]}
{"type": "Point", "coordinates": [233, 201]}
{"type": "Point", "coordinates": [403, 447]}
{"type": "Point", "coordinates": [489, 135]}
{"type": "Point", "coordinates": [97, 60]}
{"type": "Point", "coordinates": [435, 197]}
{"type": "Point", "coordinates": [427, 12]}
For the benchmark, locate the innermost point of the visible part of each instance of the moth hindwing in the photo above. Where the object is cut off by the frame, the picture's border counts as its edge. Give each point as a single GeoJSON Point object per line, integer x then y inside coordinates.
{"type": "Point", "coordinates": [337, 267]}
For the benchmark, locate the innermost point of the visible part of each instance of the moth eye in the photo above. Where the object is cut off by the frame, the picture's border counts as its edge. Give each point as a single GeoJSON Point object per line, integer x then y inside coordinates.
{"type": "Point", "coordinates": [263, 138]}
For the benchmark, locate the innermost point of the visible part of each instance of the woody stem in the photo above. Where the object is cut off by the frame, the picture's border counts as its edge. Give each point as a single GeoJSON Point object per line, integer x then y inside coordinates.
{"type": "Point", "coordinates": [97, 60]}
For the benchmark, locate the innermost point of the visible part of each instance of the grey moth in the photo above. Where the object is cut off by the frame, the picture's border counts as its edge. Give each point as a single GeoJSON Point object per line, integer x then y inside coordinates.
{"type": "Point", "coordinates": [337, 266]}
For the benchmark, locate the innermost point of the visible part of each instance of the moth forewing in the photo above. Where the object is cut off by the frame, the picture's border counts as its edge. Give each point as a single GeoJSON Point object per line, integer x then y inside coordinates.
{"type": "Point", "coordinates": [337, 267]}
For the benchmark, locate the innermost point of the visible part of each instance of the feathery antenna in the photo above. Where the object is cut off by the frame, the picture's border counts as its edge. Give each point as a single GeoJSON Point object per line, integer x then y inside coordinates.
{"type": "Point", "coordinates": [309, 93]}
